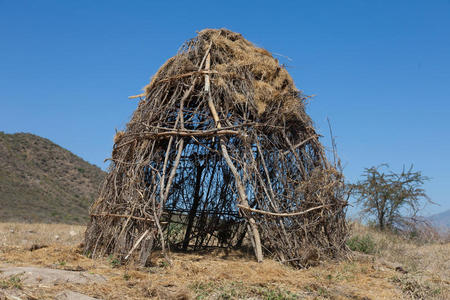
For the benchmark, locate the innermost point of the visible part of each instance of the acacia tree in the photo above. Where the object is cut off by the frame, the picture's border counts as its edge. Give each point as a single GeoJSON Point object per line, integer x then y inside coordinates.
{"type": "Point", "coordinates": [391, 198]}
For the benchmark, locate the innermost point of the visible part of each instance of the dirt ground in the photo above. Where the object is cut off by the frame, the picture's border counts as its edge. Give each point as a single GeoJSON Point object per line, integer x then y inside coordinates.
{"type": "Point", "coordinates": [212, 275]}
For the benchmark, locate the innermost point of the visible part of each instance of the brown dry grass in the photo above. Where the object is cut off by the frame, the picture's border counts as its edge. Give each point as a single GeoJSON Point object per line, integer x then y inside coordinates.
{"type": "Point", "coordinates": [216, 275]}
{"type": "Point", "coordinates": [25, 235]}
{"type": "Point", "coordinates": [426, 264]}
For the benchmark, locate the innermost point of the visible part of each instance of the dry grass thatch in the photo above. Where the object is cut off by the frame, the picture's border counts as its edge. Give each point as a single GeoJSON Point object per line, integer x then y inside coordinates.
{"type": "Point", "coordinates": [219, 149]}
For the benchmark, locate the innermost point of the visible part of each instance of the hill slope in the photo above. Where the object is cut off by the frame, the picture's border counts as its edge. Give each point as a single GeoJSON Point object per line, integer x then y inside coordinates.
{"type": "Point", "coordinates": [42, 182]}
{"type": "Point", "coordinates": [441, 220]}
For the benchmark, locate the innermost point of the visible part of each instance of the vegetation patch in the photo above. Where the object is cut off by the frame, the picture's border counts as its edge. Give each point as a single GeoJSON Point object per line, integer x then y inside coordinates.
{"type": "Point", "coordinates": [364, 244]}
{"type": "Point", "coordinates": [238, 290]}
{"type": "Point", "coordinates": [14, 282]}
{"type": "Point", "coordinates": [417, 289]}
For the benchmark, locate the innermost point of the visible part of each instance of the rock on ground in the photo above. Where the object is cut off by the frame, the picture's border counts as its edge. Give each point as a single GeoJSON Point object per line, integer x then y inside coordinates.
{"type": "Point", "coordinates": [69, 295]}
{"type": "Point", "coordinates": [34, 275]}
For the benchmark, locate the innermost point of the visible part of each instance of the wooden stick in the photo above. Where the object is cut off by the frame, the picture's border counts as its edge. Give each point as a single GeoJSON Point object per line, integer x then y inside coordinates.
{"type": "Point", "coordinates": [299, 161]}
{"type": "Point", "coordinates": [188, 133]}
{"type": "Point", "coordinates": [187, 75]}
{"type": "Point", "coordinates": [180, 146]}
{"type": "Point", "coordinates": [299, 144]}
{"type": "Point", "coordinates": [137, 243]}
{"type": "Point", "coordinates": [161, 235]}
{"type": "Point", "coordinates": [239, 186]}
{"type": "Point", "coordinates": [263, 212]}
{"type": "Point", "coordinates": [207, 66]}
{"type": "Point", "coordinates": [123, 216]}
{"type": "Point", "coordinates": [272, 197]}
{"type": "Point", "coordinates": [136, 96]}
{"type": "Point", "coordinates": [176, 77]}
{"type": "Point", "coordinates": [166, 158]}
{"type": "Point", "coordinates": [165, 189]}
{"type": "Point", "coordinates": [172, 172]}
{"type": "Point", "coordinates": [246, 124]}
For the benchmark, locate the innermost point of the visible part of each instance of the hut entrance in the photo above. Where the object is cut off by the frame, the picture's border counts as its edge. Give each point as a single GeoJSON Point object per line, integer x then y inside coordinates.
{"type": "Point", "coordinates": [201, 211]}
{"type": "Point", "coordinates": [220, 148]}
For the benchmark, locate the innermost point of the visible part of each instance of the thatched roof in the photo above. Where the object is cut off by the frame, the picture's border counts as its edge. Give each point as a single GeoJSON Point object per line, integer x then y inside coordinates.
{"type": "Point", "coordinates": [241, 72]}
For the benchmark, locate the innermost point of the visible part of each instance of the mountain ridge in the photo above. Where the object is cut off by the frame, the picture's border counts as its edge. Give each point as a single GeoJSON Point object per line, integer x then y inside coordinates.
{"type": "Point", "coordinates": [441, 220]}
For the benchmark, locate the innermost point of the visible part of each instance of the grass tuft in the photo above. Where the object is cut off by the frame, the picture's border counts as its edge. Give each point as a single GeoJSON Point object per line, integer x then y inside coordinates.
{"type": "Point", "coordinates": [364, 244]}
{"type": "Point", "coordinates": [13, 281]}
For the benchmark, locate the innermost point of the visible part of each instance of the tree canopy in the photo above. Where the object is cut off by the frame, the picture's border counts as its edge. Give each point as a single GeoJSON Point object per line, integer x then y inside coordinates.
{"type": "Point", "coordinates": [390, 198]}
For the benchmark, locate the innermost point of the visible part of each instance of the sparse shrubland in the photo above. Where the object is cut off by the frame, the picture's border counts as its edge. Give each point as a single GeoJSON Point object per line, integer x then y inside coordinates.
{"type": "Point", "coordinates": [422, 261]}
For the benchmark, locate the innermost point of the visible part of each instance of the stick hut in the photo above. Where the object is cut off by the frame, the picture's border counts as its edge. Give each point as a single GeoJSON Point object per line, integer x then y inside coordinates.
{"type": "Point", "coordinates": [219, 152]}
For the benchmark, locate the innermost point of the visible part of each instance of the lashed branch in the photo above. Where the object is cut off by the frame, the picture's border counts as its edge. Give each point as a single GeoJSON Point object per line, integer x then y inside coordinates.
{"type": "Point", "coordinates": [291, 214]}
{"type": "Point", "coordinates": [122, 216]}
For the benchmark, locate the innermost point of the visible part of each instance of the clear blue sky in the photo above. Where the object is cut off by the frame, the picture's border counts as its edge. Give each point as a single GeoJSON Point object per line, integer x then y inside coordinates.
{"type": "Point", "coordinates": [380, 70]}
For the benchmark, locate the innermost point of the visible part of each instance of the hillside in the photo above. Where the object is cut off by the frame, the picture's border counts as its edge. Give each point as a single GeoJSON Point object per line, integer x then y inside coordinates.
{"type": "Point", "coordinates": [42, 182]}
{"type": "Point", "coordinates": [441, 220]}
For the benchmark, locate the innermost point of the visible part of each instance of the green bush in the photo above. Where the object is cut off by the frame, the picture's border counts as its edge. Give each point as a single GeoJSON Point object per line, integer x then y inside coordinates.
{"type": "Point", "coordinates": [364, 244]}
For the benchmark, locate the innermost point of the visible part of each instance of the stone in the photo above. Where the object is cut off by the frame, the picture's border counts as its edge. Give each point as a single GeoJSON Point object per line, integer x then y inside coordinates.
{"type": "Point", "coordinates": [46, 276]}
{"type": "Point", "coordinates": [70, 295]}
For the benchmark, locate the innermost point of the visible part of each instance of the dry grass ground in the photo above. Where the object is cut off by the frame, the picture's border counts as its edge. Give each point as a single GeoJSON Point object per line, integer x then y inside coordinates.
{"type": "Point", "coordinates": [426, 264]}
{"type": "Point", "coordinates": [215, 275]}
